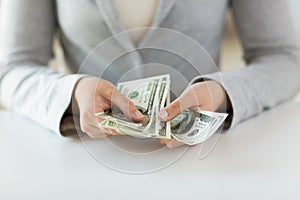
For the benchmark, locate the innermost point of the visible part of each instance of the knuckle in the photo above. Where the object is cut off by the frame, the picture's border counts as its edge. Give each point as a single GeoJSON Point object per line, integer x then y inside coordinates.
{"type": "Point", "coordinates": [130, 104]}
{"type": "Point", "coordinates": [109, 92]}
{"type": "Point", "coordinates": [176, 106]}
{"type": "Point", "coordinates": [127, 107]}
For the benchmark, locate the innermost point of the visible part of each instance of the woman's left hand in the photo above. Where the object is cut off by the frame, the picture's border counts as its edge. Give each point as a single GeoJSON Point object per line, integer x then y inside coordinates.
{"type": "Point", "coordinates": [208, 95]}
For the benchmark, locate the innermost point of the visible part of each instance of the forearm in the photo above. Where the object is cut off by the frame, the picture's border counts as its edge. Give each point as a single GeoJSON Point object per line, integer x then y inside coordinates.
{"type": "Point", "coordinates": [38, 93]}
{"type": "Point", "coordinates": [267, 81]}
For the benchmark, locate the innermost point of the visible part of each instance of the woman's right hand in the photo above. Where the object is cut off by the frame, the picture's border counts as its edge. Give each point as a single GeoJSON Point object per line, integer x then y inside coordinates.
{"type": "Point", "coordinates": [93, 95]}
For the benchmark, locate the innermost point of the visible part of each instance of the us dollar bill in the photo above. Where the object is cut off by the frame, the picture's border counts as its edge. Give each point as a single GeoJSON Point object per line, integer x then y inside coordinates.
{"type": "Point", "coordinates": [194, 127]}
{"type": "Point", "coordinates": [150, 95]}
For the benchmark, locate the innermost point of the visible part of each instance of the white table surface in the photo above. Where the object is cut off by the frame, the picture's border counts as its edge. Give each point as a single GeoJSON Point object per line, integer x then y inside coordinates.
{"type": "Point", "coordinates": [259, 159]}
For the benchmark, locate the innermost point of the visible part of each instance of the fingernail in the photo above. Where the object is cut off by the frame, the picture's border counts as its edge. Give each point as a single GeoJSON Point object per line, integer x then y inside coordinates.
{"type": "Point", "coordinates": [138, 114]}
{"type": "Point", "coordinates": [163, 115]}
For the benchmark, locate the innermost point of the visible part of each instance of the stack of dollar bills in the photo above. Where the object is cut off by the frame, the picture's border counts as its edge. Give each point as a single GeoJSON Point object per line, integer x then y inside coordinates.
{"type": "Point", "coordinates": [150, 95]}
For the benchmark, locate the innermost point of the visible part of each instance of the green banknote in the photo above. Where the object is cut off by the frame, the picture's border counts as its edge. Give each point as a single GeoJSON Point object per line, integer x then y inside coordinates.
{"type": "Point", "coordinates": [150, 95]}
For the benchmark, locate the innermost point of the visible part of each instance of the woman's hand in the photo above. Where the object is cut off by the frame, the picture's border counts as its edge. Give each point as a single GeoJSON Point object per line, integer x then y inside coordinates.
{"type": "Point", "coordinates": [94, 95]}
{"type": "Point", "coordinates": [208, 95]}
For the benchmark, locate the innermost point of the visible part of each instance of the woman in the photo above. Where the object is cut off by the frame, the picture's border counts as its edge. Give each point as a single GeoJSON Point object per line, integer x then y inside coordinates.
{"type": "Point", "coordinates": [32, 89]}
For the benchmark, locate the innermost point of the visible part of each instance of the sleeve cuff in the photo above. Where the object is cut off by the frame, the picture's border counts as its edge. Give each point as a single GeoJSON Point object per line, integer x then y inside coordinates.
{"type": "Point", "coordinates": [62, 97]}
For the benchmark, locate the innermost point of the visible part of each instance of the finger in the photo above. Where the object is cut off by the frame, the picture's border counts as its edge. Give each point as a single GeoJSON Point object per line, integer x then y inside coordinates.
{"type": "Point", "coordinates": [100, 133]}
{"type": "Point", "coordinates": [94, 124]}
{"type": "Point", "coordinates": [163, 141]}
{"type": "Point", "coordinates": [170, 112]}
{"type": "Point", "coordinates": [174, 143]}
{"type": "Point", "coordinates": [127, 107]}
{"type": "Point", "coordinates": [95, 133]}
{"type": "Point", "coordinates": [187, 100]}
{"type": "Point", "coordinates": [107, 131]}
{"type": "Point", "coordinates": [91, 128]}
{"type": "Point", "coordinates": [196, 108]}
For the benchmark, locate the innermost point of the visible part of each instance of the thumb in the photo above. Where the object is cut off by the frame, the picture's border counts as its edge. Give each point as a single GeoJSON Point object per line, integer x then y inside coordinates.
{"type": "Point", "coordinates": [171, 111]}
{"type": "Point", "coordinates": [132, 112]}
{"type": "Point", "coordinates": [127, 107]}
{"type": "Point", "coordinates": [186, 100]}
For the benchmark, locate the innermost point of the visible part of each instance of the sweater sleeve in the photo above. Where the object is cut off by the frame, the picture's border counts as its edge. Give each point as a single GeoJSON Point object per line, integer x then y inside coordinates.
{"type": "Point", "coordinates": [271, 52]}
{"type": "Point", "coordinates": [27, 85]}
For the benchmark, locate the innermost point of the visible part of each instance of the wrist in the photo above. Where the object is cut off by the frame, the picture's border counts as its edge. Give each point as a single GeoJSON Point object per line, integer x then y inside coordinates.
{"type": "Point", "coordinates": [73, 107]}
{"type": "Point", "coordinates": [219, 95]}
